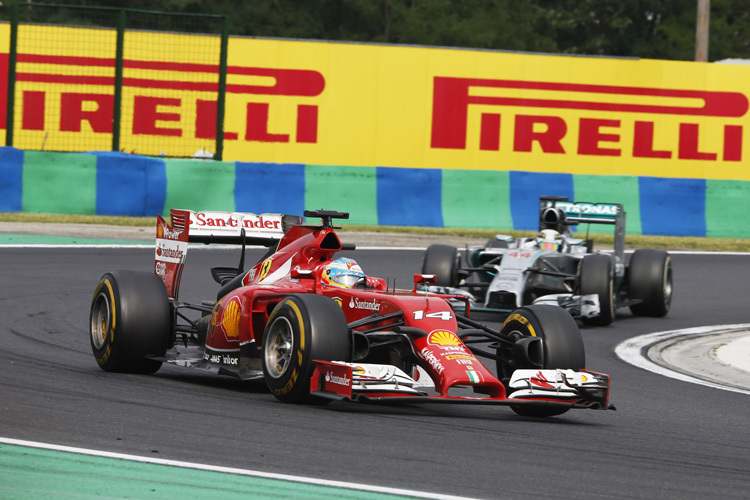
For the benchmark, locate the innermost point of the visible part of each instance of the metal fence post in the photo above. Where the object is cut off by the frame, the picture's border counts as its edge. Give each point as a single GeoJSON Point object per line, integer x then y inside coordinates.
{"type": "Point", "coordinates": [221, 97]}
{"type": "Point", "coordinates": [12, 58]}
{"type": "Point", "coordinates": [191, 29]}
{"type": "Point", "coordinates": [119, 54]}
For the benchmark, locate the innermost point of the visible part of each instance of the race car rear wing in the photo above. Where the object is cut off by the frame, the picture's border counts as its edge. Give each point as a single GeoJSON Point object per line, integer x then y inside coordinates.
{"type": "Point", "coordinates": [186, 226]}
{"type": "Point", "coordinates": [558, 213]}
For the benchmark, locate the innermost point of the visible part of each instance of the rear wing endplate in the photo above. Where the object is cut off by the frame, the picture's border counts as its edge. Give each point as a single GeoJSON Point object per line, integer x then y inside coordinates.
{"type": "Point", "coordinates": [187, 226]}
{"type": "Point", "coordinates": [557, 212]}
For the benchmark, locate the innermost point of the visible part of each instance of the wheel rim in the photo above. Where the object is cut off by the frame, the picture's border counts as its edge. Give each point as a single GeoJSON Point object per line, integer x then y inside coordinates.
{"type": "Point", "coordinates": [278, 346]}
{"type": "Point", "coordinates": [100, 320]}
{"type": "Point", "coordinates": [668, 285]}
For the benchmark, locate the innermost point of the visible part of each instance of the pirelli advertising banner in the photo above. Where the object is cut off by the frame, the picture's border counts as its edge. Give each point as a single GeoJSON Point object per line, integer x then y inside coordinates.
{"type": "Point", "coordinates": [345, 104]}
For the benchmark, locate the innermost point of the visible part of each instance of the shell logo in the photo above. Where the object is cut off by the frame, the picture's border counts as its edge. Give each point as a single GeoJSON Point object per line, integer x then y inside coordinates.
{"type": "Point", "coordinates": [460, 356]}
{"type": "Point", "coordinates": [159, 231]}
{"type": "Point", "coordinates": [230, 319]}
{"type": "Point", "coordinates": [339, 301]}
{"type": "Point", "coordinates": [443, 338]}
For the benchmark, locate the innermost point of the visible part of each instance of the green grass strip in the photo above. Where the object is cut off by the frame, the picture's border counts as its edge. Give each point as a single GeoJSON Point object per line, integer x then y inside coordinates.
{"type": "Point", "coordinates": [39, 474]}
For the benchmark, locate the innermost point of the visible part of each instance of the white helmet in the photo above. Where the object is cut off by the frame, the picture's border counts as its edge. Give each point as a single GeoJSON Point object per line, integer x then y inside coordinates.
{"type": "Point", "coordinates": [549, 239]}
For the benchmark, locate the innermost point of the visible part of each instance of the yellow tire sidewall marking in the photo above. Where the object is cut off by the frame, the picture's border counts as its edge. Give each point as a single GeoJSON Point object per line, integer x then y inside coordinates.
{"type": "Point", "coordinates": [112, 309]}
{"type": "Point", "coordinates": [521, 319]}
{"type": "Point", "coordinates": [300, 322]}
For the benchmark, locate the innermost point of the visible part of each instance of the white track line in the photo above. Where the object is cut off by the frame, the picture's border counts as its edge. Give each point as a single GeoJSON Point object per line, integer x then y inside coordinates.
{"type": "Point", "coordinates": [630, 351]}
{"type": "Point", "coordinates": [214, 246]}
{"type": "Point", "coordinates": [45, 245]}
{"type": "Point", "coordinates": [231, 470]}
{"type": "Point", "coordinates": [197, 246]}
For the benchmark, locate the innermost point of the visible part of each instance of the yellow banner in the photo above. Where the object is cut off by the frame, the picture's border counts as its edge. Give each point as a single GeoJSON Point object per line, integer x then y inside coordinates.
{"type": "Point", "coordinates": [396, 106]}
{"type": "Point", "coordinates": [461, 109]}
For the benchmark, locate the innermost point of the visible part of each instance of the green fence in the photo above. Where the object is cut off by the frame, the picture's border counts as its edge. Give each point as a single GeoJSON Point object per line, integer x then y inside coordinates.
{"type": "Point", "coordinates": [97, 55]}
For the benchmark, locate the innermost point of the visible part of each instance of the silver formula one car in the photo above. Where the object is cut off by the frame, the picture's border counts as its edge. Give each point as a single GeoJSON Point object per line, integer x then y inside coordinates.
{"type": "Point", "coordinates": [557, 268]}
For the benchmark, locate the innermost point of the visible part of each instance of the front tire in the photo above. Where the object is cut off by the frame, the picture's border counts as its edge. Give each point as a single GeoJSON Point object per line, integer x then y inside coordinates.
{"type": "Point", "coordinates": [650, 281]}
{"type": "Point", "coordinates": [302, 328]}
{"type": "Point", "coordinates": [596, 276]}
{"type": "Point", "coordinates": [562, 342]}
{"type": "Point", "coordinates": [130, 319]}
{"type": "Point", "coordinates": [442, 261]}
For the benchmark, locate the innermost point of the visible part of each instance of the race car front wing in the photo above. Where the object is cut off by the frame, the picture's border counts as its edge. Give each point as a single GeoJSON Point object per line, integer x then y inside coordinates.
{"type": "Point", "coordinates": [387, 384]}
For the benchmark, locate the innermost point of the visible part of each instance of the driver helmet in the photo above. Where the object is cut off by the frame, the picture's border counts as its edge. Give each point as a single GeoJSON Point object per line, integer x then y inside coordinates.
{"type": "Point", "coordinates": [549, 239]}
{"type": "Point", "coordinates": [342, 273]}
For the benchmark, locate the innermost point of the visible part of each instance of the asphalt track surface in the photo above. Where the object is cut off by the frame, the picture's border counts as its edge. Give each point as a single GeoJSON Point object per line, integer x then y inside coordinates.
{"type": "Point", "coordinates": [667, 439]}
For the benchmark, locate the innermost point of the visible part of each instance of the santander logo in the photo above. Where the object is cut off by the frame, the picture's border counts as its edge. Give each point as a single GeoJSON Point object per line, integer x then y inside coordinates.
{"type": "Point", "coordinates": [335, 379]}
{"type": "Point", "coordinates": [369, 305]}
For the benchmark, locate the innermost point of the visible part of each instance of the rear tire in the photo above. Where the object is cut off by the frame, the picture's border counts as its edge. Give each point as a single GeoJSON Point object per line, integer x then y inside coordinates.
{"type": "Point", "coordinates": [130, 319]}
{"type": "Point", "coordinates": [650, 280]}
{"type": "Point", "coordinates": [302, 328]}
{"type": "Point", "coordinates": [442, 261]}
{"type": "Point", "coordinates": [596, 276]}
{"type": "Point", "coordinates": [562, 341]}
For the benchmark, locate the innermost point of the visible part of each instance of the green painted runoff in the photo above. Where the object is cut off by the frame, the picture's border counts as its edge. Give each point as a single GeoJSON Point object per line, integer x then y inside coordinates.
{"type": "Point", "coordinates": [38, 474]}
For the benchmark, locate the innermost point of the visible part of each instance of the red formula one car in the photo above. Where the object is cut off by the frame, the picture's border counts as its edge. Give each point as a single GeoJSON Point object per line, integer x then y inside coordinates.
{"type": "Point", "coordinates": [315, 328]}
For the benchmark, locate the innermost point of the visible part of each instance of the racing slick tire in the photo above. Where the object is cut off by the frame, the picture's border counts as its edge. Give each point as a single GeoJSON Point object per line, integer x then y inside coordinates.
{"type": "Point", "coordinates": [130, 319]}
{"type": "Point", "coordinates": [650, 281]}
{"type": "Point", "coordinates": [300, 329]}
{"type": "Point", "coordinates": [442, 261]}
{"type": "Point", "coordinates": [562, 346]}
{"type": "Point", "coordinates": [596, 276]}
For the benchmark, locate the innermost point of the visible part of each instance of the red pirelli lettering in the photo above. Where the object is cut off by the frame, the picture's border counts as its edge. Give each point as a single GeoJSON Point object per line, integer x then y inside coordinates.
{"type": "Point", "coordinates": [147, 111]}
{"type": "Point", "coordinates": [99, 115]}
{"type": "Point", "coordinates": [453, 96]}
{"type": "Point", "coordinates": [643, 142]}
{"type": "Point", "coordinates": [34, 106]}
{"type": "Point", "coordinates": [590, 137]}
{"type": "Point", "coordinates": [205, 121]}
{"type": "Point", "coordinates": [290, 82]}
{"type": "Point", "coordinates": [549, 139]}
{"type": "Point", "coordinates": [151, 113]}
